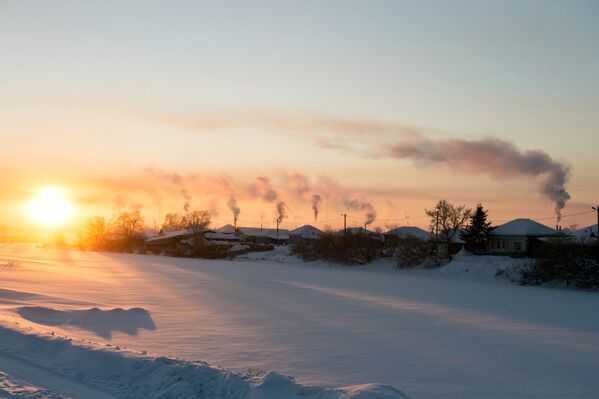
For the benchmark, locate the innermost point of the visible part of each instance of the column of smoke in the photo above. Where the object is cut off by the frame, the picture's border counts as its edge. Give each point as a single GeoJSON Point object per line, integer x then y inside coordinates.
{"type": "Point", "coordinates": [262, 188]}
{"type": "Point", "coordinates": [316, 201]}
{"type": "Point", "coordinates": [366, 207]}
{"type": "Point", "coordinates": [301, 187]}
{"type": "Point", "coordinates": [281, 211]}
{"type": "Point", "coordinates": [187, 199]}
{"type": "Point", "coordinates": [232, 204]}
{"type": "Point", "coordinates": [496, 157]}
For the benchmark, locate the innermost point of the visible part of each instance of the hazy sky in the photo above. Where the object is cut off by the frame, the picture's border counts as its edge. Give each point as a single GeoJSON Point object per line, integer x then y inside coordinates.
{"type": "Point", "coordinates": [131, 102]}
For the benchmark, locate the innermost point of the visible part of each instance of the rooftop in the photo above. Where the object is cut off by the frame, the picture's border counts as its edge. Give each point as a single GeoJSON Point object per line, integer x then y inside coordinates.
{"type": "Point", "coordinates": [306, 231]}
{"type": "Point", "coordinates": [524, 227]}
{"type": "Point", "coordinates": [410, 232]}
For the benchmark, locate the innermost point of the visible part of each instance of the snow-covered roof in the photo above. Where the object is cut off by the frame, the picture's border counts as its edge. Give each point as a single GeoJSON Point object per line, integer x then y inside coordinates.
{"type": "Point", "coordinates": [169, 234]}
{"type": "Point", "coordinates": [227, 228]}
{"type": "Point", "coordinates": [410, 232]}
{"type": "Point", "coordinates": [524, 227]}
{"type": "Point", "coordinates": [172, 234]}
{"type": "Point", "coordinates": [586, 233]}
{"type": "Point", "coordinates": [261, 232]}
{"type": "Point", "coordinates": [221, 236]}
{"type": "Point", "coordinates": [357, 230]}
{"type": "Point", "coordinates": [306, 231]}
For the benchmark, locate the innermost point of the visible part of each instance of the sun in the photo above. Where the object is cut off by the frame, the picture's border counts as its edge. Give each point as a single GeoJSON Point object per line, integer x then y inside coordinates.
{"type": "Point", "coordinates": [49, 207]}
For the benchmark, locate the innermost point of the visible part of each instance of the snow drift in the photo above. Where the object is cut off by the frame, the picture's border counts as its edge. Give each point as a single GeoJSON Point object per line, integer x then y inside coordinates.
{"type": "Point", "coordinates": [136, 375]}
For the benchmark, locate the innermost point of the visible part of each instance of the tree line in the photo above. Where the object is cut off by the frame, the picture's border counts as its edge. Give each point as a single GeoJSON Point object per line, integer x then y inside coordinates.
{"type": "Point", "coordinates": [124, 232]}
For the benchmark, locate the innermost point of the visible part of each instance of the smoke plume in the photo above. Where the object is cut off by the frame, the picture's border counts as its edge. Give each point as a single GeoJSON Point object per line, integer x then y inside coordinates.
{"type": "Point", "coordinates": [316, 201]}
{"type": "Point", "coordinates": [281, 211]}
{"type": "Point", "coordinates": [495, 157]}
{"type": "Point", "coordinates": [186, 198]}
{"type": "Point", "coordinates": [299, 184]}
{"type": "Point", "coordinates": [232, 204]}
{"type": "Point", "coordinates": [366, 207]}
{"type": "Point", "coordinates": [262, 188]}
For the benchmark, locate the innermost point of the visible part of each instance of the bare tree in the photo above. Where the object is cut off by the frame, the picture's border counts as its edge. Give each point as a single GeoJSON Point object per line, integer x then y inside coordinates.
{"type": "Point", "coordinates": [174, 221]}
{"type": "Point", "coordinates": [96, 232]}
{"type": "Point", "coordinates": [447, 219]}
{"type": "Point", "coordinates": [127, 226]}
{"type": "Point", "coordinates": [197, 222]}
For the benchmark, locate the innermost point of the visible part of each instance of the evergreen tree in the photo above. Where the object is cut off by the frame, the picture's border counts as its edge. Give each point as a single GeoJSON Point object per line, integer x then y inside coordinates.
{"type": "Point", "coordinates": [477, 231]}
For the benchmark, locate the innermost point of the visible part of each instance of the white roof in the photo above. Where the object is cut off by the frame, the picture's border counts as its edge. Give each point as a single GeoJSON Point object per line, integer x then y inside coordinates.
{"type": "Point", "coordinates": [524, 227]}
{"type": "Point", "coordinates": [169, 234]}
{"type": "Point", "coordinates": [357, 230]}
{"type": "Point", "coordinates": [306, 231]}
{"type": "Point", "coordinates": [227, 228]}
{"type": "Point", "coordinates": [221, 236]}
{"type": "Point", "coordinates": [260, 232]}
{"type": "Point", "coordinates": [410, 231]}
{"type": "Point", "coordinates": [173, 234]}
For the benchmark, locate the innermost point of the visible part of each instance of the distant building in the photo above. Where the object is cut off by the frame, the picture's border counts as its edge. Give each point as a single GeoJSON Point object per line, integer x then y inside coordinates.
{"type": "Point", "coordinates": [586, 234]}
{"type": "Point", "coordinates": [176, 242]}
{"type": "Point", "coordinates": [181, 243]}
{"type": "Point", "coordinates": [306, 232]}
{"type": "Point", "coordinates": [519, 236]}
{"type": "Point", "coordinates": [227, 228]}
{"type": "Point", "coordinates": [259, 235]}
{"type": "Point", "coordinates": [409, 232]}
{"type": "Point", "coordinates": [359, 230]}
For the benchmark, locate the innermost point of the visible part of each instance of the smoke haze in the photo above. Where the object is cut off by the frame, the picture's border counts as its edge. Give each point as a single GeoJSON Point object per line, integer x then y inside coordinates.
{"type": "Point", "coordinates": [495, 157]}
{"type": "Point", "coordinates": [366, 207]}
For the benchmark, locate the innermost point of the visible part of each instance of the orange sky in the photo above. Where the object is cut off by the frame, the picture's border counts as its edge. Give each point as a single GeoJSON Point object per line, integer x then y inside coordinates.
{"type": "Point", "coordinates": [110, 109]}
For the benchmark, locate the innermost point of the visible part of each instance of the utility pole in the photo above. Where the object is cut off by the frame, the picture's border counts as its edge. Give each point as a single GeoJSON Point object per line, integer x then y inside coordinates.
{"type": "Point", "coordinates": [344, 223]}
{"type": "Point", "coordinates": [597, 235]}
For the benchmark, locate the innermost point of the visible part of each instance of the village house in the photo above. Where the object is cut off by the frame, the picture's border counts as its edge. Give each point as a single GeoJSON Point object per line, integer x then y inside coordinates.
{"type": "Point", "coordinates": [305, 232]}
{"type": "Point", "coordinates": [586, 235]}
{"type": "Point", "coordinates": [359, 230]}
{"type": "Point", "coordinates": [519, 236]}
{"type": "Point", "coordinates": [409, 232]}
{"type": "Point", "coordinates": [175, 242]}
{"type": "Point", "coordinates": [181, 243]}
{"type": "Point", "coordinates": [257, 235]}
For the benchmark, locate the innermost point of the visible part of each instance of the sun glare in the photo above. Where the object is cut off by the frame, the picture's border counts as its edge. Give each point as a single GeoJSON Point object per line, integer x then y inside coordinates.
{"type": "Point", "coordinates": [49, 207]}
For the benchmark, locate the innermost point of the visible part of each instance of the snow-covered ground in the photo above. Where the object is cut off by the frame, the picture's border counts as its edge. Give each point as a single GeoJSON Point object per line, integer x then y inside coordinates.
{"type": "Point", "coordinates": [456, 332]}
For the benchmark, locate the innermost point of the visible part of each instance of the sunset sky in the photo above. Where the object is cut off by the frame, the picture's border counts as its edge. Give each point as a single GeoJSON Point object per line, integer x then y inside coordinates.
{"type": "Point", "coordinates": [393, 104]}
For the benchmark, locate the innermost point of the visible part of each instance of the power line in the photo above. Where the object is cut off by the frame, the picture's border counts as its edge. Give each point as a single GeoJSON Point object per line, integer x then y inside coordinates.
{"type": "Point", "coordinates": [360, 218]}
{"type": "Point", "coordinates": [565, 216]}
{"type": "Point", "coordinates": [549, 217]}
{"type": "Point", "coordinates": [406, 218]}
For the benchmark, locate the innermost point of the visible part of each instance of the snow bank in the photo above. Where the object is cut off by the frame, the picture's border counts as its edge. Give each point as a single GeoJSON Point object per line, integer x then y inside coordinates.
{"type": "Point", "coordinates": [14, 388]}
{"type": "Point", "coordinates": [280, 255]}
{"type": "Point", "coordinates": [481, 267]}
{"type": "Point", "coordinates": [136, 375]}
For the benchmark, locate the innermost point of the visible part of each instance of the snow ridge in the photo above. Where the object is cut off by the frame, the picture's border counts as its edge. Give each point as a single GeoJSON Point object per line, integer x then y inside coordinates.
{"type": "Point", "coordinates": [136, 375]}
